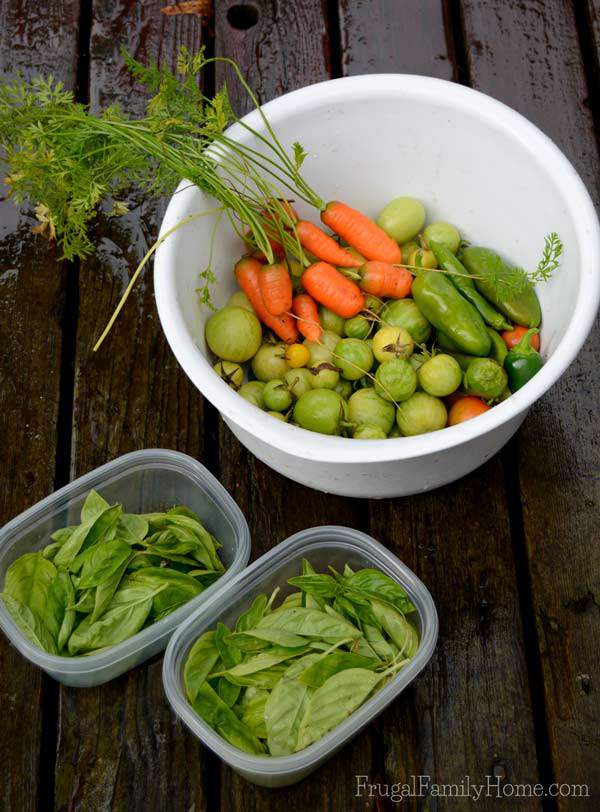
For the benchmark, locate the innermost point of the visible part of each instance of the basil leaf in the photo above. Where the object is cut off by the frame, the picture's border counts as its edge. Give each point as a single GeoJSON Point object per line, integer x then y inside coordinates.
{"type": "Point", "coordinates": [179, 588]}
{"type": "Point", "coordinates": [376, 584]}
{"type": "Point", "coordinates": [320, 671]}
{"type": "Point", "coordinates": [322, 585]}
{"type": "Point", "coordinates": [252, 616]}
{"type": "Point", "coordinates": [262, 662]}
{"type": "Point", "coordinates": [29, 623]}
{"type": "Point", "coordinates": [102, 562]}
{"type": "Point", "coordinates": [254, 639]}
{"type": "Point", "coordinates": [60, 613]}
{"type": "Point", "coordinates": [221, 718]}
{"type": "Point", "coordinates": [202, 658]}
{"type": "Point", "coordinates": [333, 702]}
{"type": "Point", "coordinates": [28, 580]}
{"type": "Point", "coordinates": [252, 711]}
{"type": "Point", "coordinates": [104, 592]}
{"type": "Point", "coordinates": [93, 506]}
{"type": "Point", "coordinates": [101, 526]}
{"type": "Point", "coordinates": [124, 617]}
{"type": "Point", "coordinates": [397, 627]}
{"type": "Point", "coordinates": [284, 711]}
{"type": "Point", "coordinates": [132, 528]}
{"type": "Point", "coordinates": [311, 623]}
{"type": "Point", "coordinates": [228, 692]}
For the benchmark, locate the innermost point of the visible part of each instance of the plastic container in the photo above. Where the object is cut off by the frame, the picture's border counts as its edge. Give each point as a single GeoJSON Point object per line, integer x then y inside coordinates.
{"type": "Point", "coordinates": [322, 546]}
{"type": "Point", "coordinates": [143, 481]}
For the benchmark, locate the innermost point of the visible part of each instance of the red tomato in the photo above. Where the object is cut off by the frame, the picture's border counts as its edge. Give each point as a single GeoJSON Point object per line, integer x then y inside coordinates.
{"type": "Point", "coordinates": [512, 337]}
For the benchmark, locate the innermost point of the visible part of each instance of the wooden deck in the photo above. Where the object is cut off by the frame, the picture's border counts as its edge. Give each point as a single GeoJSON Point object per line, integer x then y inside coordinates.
{"type": "Point", "coordinates": [510, 553]}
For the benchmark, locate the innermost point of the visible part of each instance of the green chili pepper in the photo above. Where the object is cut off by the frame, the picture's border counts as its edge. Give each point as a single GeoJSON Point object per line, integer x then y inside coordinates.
{"type": "Point", "coordinates": [459, 276]}
{"type": "Point", "coordinates": [485, 378]}
{"type": "Point", "coordinates": [498, 351]}
{"type": "Point", "coordinates": [443, 306]}
{"type": "Point", "coordinates": [488, 269]}
{"type": "Point", "coordinates": [522, 362]}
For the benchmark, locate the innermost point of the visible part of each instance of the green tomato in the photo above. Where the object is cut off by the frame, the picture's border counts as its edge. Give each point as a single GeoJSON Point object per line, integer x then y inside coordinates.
{"type": "Point", "coordinates": [269, 362]}
{"type": "Point", "coordinates": [239, 299]}
{"type": "Point", "coordinates": [444, 233]}
{"type": "Point", "coordinates": [277, 396]}
{"type": "Point", "coordinates": [440, 376]}
{"type": "Point", "coordinates": [395, 380]}
{"type": "Point", "coordinates": [298, 381]}
{"type": "Point", "coordinates": [231, 373]}
{"type": "Point", "coordinates": [233, 334]}
{"type": "Point", "coordinates": [278, 416]}
{"type": "Point", "coordinates": [343, 388]}
{"type": "Point", "coordinates": [365, 406]}
{"type": "Point", "coordinates": [368, 432]}
{"type": "Point", "coordinates": [357, 327]}
{"type": "Point", "coordinates": [324, 376]}
{"type": "Point", "coordinates": [420, 414]}
{"type": "Point", "coordinates": [408, 249]}
{"type": "Point", "coordinates": [253, 392]}
{"type": "Point", "coordinates": [373, 303]}
{"type": "Point", "coordinates": [353, 357]}
{"type": "Point", "coordinates": [485, 378]}
{"type": "Point", "coordinates": [330, 321]}
{"type": "Point", "coordinates": [406, 314]}
{"type": "Point", "coordinates": [321, 410]}
{"type": "Point", "coordinates": [392, 342]}
{"type": "Point", "coordinates": [402, 218]}
{"type": "Point", "coordinates": [321, 352]}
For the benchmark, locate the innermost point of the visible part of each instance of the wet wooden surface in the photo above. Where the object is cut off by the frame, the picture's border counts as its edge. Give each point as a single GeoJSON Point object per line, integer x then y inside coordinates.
{"type": "Point", "coordinates": [510, 553]}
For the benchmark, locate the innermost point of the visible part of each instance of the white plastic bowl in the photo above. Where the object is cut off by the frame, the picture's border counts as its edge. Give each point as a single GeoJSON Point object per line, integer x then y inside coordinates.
{"type": "Point", "coordinates": [473, 161]}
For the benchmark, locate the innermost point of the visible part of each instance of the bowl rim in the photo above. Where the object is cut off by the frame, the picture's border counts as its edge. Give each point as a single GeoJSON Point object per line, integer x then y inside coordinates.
{"type": "Point", "coordinates": [332, 449]}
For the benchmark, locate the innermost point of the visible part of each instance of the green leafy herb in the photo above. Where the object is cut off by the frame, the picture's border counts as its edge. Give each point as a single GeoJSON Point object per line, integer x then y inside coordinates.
{"type": "Point", "coordinates": [96, 583]}
{"type": "Point", "coordinates": [301, 669]}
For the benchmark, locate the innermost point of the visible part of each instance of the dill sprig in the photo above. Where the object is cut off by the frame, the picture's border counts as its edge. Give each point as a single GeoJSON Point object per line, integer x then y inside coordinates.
{"type": "Point", "coordinates": [512, 281]}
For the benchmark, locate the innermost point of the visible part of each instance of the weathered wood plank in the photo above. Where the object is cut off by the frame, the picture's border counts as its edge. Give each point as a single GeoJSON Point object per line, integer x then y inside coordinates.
{"type": "Point", "coordinates": [463, 553]}
{"type": "Point", "coordinates": [120, 746]}
{"type": "Point", "coordinates": [286, 48]}
{"type": "Point", "coordinates": [384, 36]}
{"type": "Point", "coordinates": [528, 56]}
{"type": "Point", "coordinates": [32, 296]}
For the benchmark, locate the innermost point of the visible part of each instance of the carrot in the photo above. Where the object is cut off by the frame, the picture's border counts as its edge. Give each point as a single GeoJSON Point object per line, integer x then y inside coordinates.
{"type": "Point", "coordinates": [247, 272]}
{"type": "Point", "coordinates": [382, 279]}
{"type": "Point", "coordinates": [305, 307]}
{"type": "Point", "coordinates": [323, 246]}
{"type": "Point", "coordinates": [333, 290]}
{"type": "Point", "coordinates": [276, 288]}
{"type": "Point", "coordinates": [361, 232]}
{"type": "Point", "coordinates": [512, 338]}
{"type": "Point", "coordinates": [465, 409]}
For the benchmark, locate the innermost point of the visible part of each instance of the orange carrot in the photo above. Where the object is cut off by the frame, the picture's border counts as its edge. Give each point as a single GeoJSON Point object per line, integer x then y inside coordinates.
{"type": "Point", "coordinates": [361, 232]}
{"type": "Point", "coordinates": [305, 307]}
{"type": "Point", "coordinates": [333, 290]}
{"type": "Point", "coordinates": [323, 246]}
{"type": "Point", "coordinates": [382, 279]}
{"type": "Point", "coordinates": [276, 288]}
{"type": "Point", "coordinates": [247, 272]}
{"type": "Point", "coordinates": [465, 409]}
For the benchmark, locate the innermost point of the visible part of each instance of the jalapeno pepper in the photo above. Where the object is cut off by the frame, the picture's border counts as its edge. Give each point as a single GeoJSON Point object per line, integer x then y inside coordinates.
{"type": "Point", "coordinates": [459, 276]}
{"type": "Point", "coordinates": [498, 351]}
{"type": "Point", "coordinates": [487, 269]}
{"type": "Point", "coordinates": [443, 306]}
{"type": "Point", "coordinates": [522, 362]}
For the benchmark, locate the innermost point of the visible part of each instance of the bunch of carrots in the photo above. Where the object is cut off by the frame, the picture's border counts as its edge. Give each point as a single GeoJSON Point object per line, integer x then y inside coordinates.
{"type": "Point", "coordinates": [372, 260]}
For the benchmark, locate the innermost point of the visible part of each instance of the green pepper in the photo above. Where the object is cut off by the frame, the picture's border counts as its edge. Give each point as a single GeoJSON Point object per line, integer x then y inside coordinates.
{"type": "Point", "coordinates": [488, 269]}
{"type": "Point", "coordinates": [522, 362]}
{"type": "Point", "coordinates": [443, 306]}
{"type": "Point", "coordinates": [498, 351]}
{"type": "Point", "coordinates": [485, 378]}
{"type": "Point", "coordinates": [459, 276]}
